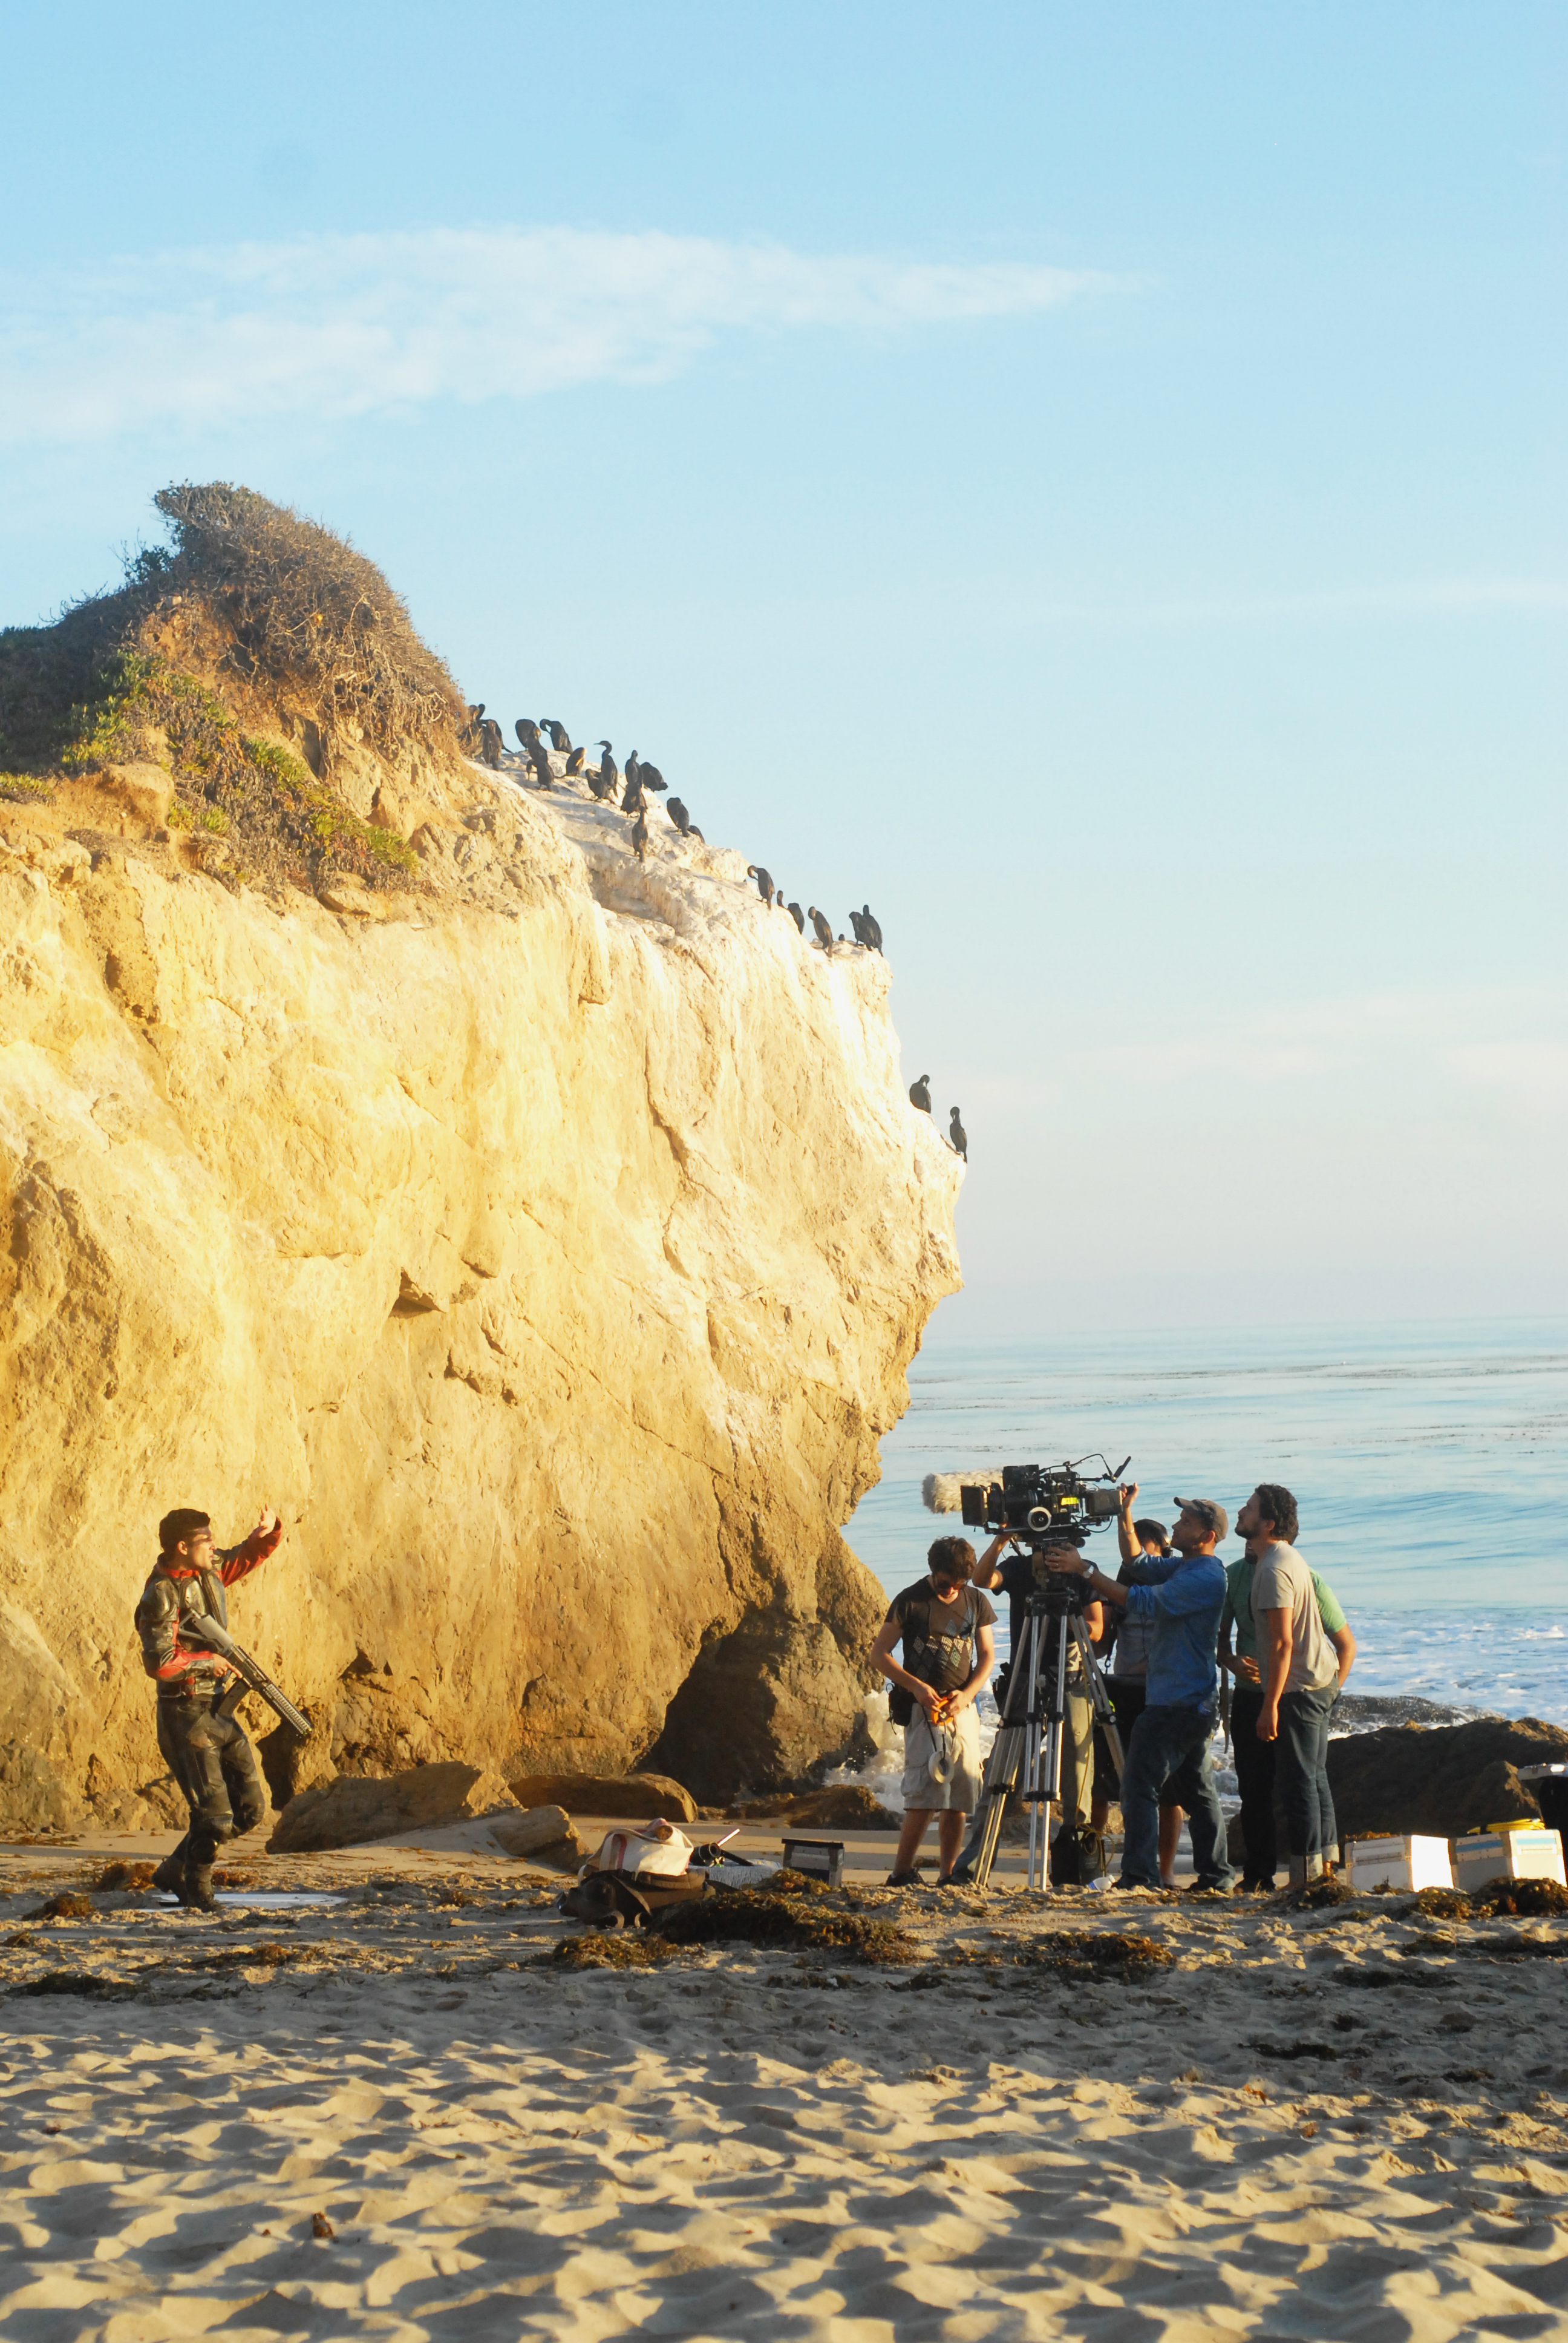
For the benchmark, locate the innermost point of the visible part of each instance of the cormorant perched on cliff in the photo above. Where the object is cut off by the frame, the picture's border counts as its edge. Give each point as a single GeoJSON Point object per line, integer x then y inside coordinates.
{"type": "Point", "coordinates": [920, 1094]}
{"type": "Point", "coordinates": [679, 817]}
{"type": "Point", "coordinates": [527, 732]}
{"type": "Point", "coordinates": [633, 799]}
{"type": "Point", "coordinates": [824, 932]}
{"type": "Point", "coordinates": [873, 932]}
{"type": "Point", "coordinates": [692, 831]}
{"type": "Point", "coordinates": [764, 879]}
{"type": "Point", "coordinates": [797, 915]}
{"type": "Point", "coordinates": [539, 758]}
{"type": "Point", "coordinates": [633, 765]}
{"type": "Point", "coordinates": [859, 925]}
{"type": "Point", "coordinates": [640, 834]}
{"type": "Point", "coordinates": [651, 777]}
{"type": "Point", "coordinates": [959, 1137]}
{"type": "Point", "coordinates": [560, 738]}
{"type": "Point", "coordinates": [608, 774]}
{"type": "Point", "coordinates": [490, 742]}
{"type": "Point", "coordinates": [574, 761]}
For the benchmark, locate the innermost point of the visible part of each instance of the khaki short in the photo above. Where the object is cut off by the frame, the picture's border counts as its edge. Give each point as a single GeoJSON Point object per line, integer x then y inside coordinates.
{"type": "Point", "coordinates": [943, 1769]}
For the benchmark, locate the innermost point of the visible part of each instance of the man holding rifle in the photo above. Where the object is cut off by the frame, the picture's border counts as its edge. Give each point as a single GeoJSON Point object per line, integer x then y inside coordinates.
{"type": "Point", "coordinates": [203, 1745]}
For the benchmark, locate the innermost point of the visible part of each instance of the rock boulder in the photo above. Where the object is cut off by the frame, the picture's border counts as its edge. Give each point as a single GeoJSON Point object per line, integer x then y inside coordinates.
{"type": "Point", "coordinates": [355, 1808]}
{"type": "Point", "coordinates": [762, 1709]}
{"type": "Point", "coordinates": [636, 1797]}
{"type": "Point", "coordinates": [1442, 1780]}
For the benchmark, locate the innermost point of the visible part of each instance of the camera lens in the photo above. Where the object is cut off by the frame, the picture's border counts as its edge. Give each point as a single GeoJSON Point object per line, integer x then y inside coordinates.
{"type": "Point", "coordinates": [1040, 1517]}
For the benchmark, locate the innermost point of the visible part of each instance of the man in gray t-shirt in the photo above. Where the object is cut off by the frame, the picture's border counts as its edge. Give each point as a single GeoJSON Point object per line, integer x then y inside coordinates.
{"type": "Point", "coordinates": [1300, 1675]}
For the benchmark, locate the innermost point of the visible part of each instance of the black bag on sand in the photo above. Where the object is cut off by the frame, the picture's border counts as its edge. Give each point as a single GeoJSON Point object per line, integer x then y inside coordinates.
{"type": "Point", "coordinates": [1077, 1856]}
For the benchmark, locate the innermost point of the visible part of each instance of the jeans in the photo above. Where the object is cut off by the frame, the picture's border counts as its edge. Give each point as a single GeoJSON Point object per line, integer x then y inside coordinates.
{"type": "Point", "coordinates": [1303, 1772]}
{"type": "Point", "coordinates": [1255, 1762]}
{"type": "Point", "coordinates": [1170, 1752]}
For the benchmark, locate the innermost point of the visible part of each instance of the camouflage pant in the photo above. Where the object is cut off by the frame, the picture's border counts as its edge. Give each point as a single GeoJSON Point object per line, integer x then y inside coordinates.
{"type": "Point", "coordinates": [216, 1766]}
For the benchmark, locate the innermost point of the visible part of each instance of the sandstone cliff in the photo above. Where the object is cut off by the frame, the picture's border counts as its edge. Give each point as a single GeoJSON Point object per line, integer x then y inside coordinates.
{"type": "Point", "coordinates": [547, 1242]}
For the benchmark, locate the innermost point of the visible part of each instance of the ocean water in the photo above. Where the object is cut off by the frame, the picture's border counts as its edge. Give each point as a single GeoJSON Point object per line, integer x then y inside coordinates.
{"type": "Point", "coordinates": [1429, 1464]}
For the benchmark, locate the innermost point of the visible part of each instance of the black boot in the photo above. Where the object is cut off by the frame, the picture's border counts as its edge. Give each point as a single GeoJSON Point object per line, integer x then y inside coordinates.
{"type": "Point", "coordinates": [195, 1888]}
{"type": "Point", "coordinates": [169, 1877]}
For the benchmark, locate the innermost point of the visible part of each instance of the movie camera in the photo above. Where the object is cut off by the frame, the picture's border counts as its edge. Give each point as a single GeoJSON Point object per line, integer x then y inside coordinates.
{"type": "Point", "coordinates": [1044, 1506]}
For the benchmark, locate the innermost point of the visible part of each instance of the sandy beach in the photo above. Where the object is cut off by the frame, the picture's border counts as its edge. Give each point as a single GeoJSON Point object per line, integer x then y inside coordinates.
{"type": "Point", "coordinates": [1341, 2121]}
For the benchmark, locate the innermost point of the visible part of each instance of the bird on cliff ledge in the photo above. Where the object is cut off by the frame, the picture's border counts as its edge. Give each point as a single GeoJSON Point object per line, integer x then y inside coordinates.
{"type": "Point", "coordinates": [560, 738]}
{"type": "Point", "coordinates": [824, 932]}
{"type": "Point", "coordinates": [920, 1094]}
{"type": "Point", "coordinates": [608, 774]}
{"type": "Point", "coordinates": [527, 732]}
{"type": "Point", "coordinates": [960, 1136]}
{"type": "Point", "coordinates": [764, 879]}
{"type": "Point", "coordinates": [679, 817]}
{"type": "Point", "coordinates": [797, 915]}
{"type": "Point", "coordinates": [873, 931]}
{"type": "Point", "coordinates": [574, 761]}
{"type": "Point", "coordinates": [640, 834]}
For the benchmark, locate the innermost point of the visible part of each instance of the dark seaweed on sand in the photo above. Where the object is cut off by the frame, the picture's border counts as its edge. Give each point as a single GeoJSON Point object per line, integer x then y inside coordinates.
{"type": "Point", "coordinates": [1080, 1954]}
{"type": "Point", "coordinates": [796, 1922]}
{"type": "Point", "coordinates": [627, 1949]}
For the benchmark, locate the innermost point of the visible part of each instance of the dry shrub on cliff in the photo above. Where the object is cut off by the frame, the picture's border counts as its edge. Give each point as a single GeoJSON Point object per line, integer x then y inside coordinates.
{"type": "Point", "coordinates": [304, 608]}
{"type": "Point", "coordinates": [298, 620]}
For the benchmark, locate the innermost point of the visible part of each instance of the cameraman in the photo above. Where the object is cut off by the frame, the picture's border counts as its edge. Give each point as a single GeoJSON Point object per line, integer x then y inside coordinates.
{"type": "Point", "coordinates": [1014, 1573]}
{"type": "Point", "coordinates": [1127, 1676]}
{"type": "Point", "coordinates": [945, 1626]}
{"type": "Point", "coordinates": [1172, 1747]}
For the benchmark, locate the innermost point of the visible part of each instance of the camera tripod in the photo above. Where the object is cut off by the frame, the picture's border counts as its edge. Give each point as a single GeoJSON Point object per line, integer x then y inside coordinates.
{"type": "Point", "coordinates": [1026, 1755]}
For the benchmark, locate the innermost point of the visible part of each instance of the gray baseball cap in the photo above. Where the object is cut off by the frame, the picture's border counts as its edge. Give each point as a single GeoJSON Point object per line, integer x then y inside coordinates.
{"type": "Point", "coordinates": [1213, 1516]}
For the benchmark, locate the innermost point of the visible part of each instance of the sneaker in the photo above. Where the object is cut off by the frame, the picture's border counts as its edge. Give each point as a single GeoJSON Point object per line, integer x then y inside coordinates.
{"type": "Point", "coordinates": [903, 1879]}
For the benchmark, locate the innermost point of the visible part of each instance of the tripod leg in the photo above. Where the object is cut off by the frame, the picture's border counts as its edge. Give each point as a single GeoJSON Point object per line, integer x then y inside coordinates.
{"type": "Point", "coordinates": [1008, 1756]}
{"type": "Point", "coordinates": [1100, 1698]}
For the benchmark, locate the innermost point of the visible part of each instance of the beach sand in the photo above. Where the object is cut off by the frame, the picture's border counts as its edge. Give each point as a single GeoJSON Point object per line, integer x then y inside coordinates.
{"type": "Point", "coordinates": [1339, 2122]}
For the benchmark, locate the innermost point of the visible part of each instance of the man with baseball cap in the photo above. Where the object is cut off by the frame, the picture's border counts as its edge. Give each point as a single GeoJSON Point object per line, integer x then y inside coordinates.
{"type": "Point", "coordinates": [1181, 1597]}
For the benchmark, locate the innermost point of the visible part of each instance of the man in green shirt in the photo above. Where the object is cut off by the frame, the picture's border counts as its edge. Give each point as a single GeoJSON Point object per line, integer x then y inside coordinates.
{"type": "Point", "coordinates": [1254, 1758]}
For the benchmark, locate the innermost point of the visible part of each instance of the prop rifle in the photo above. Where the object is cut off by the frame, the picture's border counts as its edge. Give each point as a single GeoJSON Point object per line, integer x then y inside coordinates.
{"type": "Point", "coordinates": [205, 1630]}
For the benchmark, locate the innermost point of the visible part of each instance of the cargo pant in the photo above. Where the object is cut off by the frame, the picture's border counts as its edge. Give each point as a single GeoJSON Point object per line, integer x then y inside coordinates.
{"type": "Point", "coordinates": [215, 1767]}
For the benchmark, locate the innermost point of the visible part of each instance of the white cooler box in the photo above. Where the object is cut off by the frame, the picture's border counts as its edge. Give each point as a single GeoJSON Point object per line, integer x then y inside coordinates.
{"type": "Point", "coordinates": [1531, 1852]}
{"type": "Point", "coordinates": [1406, 1862]}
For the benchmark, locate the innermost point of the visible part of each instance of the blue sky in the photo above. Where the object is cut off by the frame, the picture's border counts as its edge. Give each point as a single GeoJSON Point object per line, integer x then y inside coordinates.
{"type": "Point", "coordinates": [1090, 481]}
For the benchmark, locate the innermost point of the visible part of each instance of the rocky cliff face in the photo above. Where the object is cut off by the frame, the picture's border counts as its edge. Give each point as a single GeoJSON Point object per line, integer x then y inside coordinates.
{"type": "Point", "coordinates": [549, 1247]}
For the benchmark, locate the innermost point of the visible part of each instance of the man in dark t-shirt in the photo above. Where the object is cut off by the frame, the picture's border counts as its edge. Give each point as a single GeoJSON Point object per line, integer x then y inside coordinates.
{"type": "Point", "coordinates": [944, 1626]}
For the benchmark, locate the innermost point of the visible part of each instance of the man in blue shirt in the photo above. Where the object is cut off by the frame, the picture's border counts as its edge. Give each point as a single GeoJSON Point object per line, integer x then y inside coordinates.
{"type": "Point", "coordinates": [1181, 1597]}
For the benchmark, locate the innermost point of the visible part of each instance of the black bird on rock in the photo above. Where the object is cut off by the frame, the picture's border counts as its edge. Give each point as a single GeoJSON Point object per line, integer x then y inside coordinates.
{"type": "Point", "coordinates": [859, 925]}
{"type": "Point", "coordinates": [920, 1094]}
{"type": "Point", "coordinates": [764, 879]}
{"type": "Point", "coordinates": [633, 766]}
{"type": "Point", "coordinates": [608, 774]}
{"type": "Point", "coordinates": [491, 742]}
{"type": "Point", "coordinates": [797, 915]}
{"type": "Point", "coordinates": [960, 1136]}
{"type": "Point", "coordinates": [873, 932]}
{"type": "Point", "coordinates": [539, 758]}
{"type": "Point", "coordinates": [679, 817]}
{"type": "Point", "coordinates": [560, 738]}
{"type": "Point", "coordinates": [632, 800]}
{"type": "Point", "coordinates": [824, 932]}
{"type": "Point", "coordinates": [574, 761]}
{"type": "Point", "coordinates": [527, 730]}
{"type": "Point", "coordinates": [651, 777]}
{"type": "Point", "coordinates": [640, 834]}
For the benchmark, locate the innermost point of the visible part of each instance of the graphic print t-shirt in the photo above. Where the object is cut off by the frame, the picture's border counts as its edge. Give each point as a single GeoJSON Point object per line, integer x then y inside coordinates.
{"type": "Point", "coordinates": [940, 1650]}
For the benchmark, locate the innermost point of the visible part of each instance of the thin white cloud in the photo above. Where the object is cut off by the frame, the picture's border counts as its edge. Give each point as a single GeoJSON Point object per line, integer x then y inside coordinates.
{"type": "Point", "coordinates": [337, 325]}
